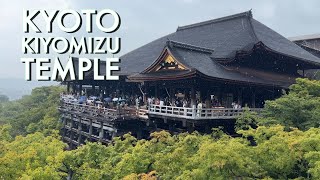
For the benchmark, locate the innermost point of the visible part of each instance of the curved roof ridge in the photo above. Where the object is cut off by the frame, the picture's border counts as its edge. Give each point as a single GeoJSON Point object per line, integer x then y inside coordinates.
{"type": "Point", "coordinates": [305, 37]}
{"type": "Point", "coordinates": [225, 18]}
{"type": "Point", "coordinates": [253, 30]}
{"type": "Point", "coordinates": [292, 51]}
{"type": "Point", "coordinates": [189, 46]}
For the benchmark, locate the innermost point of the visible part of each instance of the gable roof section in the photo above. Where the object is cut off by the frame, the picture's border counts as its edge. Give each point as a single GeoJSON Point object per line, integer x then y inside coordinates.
{"type": "Point", "coordinates": [201, 64]}
{"type": "Point", "coordinates": [164, 56]}
{"type": "Point", "coordinates": [226, 36]}
{"type": "Point", "coordinates": [282, 45]}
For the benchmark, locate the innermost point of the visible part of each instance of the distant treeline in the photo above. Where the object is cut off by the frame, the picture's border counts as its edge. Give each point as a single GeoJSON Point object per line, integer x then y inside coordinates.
{"type": "Point", "coordinates": [3, 98]}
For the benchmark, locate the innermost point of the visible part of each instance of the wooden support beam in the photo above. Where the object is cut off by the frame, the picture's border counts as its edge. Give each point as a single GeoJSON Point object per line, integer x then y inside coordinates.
{"type": "Point", "coordinates": [171, 127]}
{"type": "Point", "coordinates": [90, 129]}
{"type": "Point", "coordinates": [240, 96]}
{"type": "Point", "coordinates": [139, 133]}
{"type": "Point", "coordinates": [253, 99]}
{"type": "Point", "coordinates": [193, 96]}
{"type": "Point", "coordinates": [101, 133]}
{"type": "Point", "coordinates": [114, 134]}
{"type": "Point", "coordinates": [184, 123]}
{"type": "Point", "coordinates": [190, 127]}
{"type": "Point", "coordinates": [68, 87]}
{"type": "Point", "coordinates": [74, 89]}
{"type": "Point", "coordinates": [93, 90]}
{"type": "Point", "coordinates": [79, 130]}
{"type": "Point", "coordinates": [156, 93]}
{"type": "Point", "coordinates": [171, 91]}
{"type": "Point", "coordinates": [71, 126]}
{"type": "Point", "coordinates": [208, 98]}
{"type": "Point", "coordinates": [100, 92]}
{"type": "Point", "coordinates": [104, 93]}
{"type": "Point", "coordinates": [80, 89]}
{"type": "Point", "coordinates": [64, 119]}
{"type": "Point", "coordinates": [144, 93]}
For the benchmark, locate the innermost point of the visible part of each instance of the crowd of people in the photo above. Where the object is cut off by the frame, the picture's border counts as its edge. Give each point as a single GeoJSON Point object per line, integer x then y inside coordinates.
{"type": "Point", "coordinates": [138, 101]}
{"type": "Point", "coordinates": [110, 101]}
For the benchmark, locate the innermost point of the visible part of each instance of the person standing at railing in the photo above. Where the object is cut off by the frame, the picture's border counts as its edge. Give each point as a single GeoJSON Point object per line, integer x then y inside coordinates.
{"type": "Point", "coordinates": [137, 102]}
{"type": "Point", "coordinates": [199, 109]}
{"type": "Point", "coordinates": [185, 105]}
{"type": "Point", "coordinates": [161, 102]}
{"type": "Point", "coordinates": [157, 101]}
{"type": "Point", "coordinates": [99, 108]}
{"type": "Point", "coordinates": [149, 102]}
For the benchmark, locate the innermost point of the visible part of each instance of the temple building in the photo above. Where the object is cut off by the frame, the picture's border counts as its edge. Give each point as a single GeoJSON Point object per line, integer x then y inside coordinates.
{"type": "Point", "coordinates": [198, 77]}
{"type": "Point", "coordinates": [310, 43]}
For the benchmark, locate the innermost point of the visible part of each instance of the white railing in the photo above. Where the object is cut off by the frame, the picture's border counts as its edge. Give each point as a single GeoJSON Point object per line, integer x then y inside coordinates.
{"type": "Point", "coordinates": [166, 111]}
{"type": "Point", "coordinates": [195, 113]}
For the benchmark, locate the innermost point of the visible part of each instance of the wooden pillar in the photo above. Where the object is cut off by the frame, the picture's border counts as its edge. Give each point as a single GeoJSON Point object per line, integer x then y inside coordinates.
{"type": "Point", "coordinates": [104, 92]}
{"type": "Point", "coordinates": [144, 95]}
{"type": "Point", "coordinates": [73, 88]}
{"type": "Point", "coordinates": [139, 133]}
{"type": "Point", "coordinates": [93, 90]}
{"type": "Point", "coordinates": [90, 129]}
{"type": "Point", "coordinates": [100, 92]}
{"type": "Point", "coordinates": [190, 127]}
{"type": "Point", "coordinates": [208, 98]}
{"type": "Point", "coordinates": [64, 119]}
{"type": "Point", "coordinates": [68, 87]}
{"type": "Point", "coordinates": [156, 93]}
{"type": "Point", "coordinates": [273, 96]}
{"type": "Point", "coordinates": [107, 90]}
{"type": "Point", "coordinates": [219, 96]}
{"type": "Point", "coordinates": [172, 127]}
{"type": "Point", "coordinates": [171, 91]}
{"type": "Point", "coordinates": [193, 96]}
{"type": "Point", "coordinates": [101, 134]}
{"type": "Point", "coordinates": [71, 127]}
{"type": "Point", "coordinates": [80, 89]}
{"type": "Point", "coordinates": [240, 96]}
{"type": "Point", "coordinates": [207, 129]}
{"type": "Point", "coordinates": [80, 130]}
{"type": "Point", "coordinates": [253, 98]}
{"type": "Point", "coordinates": [184, 123]}
{"type": "Point", "coordinates": [203, 93]}
{"type": "Point", "coordinates": [114, 134]}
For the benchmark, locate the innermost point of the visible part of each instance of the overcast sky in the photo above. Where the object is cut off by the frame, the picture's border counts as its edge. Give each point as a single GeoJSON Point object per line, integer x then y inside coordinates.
{"type": "Point", "coordinates": [146, 20]}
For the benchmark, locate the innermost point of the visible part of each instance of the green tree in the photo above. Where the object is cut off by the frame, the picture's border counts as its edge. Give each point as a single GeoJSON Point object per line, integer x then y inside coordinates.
{"type": "Point", "coordinates": [5, 132]}
{"type": "Point", "coordinates": [299, 108]}
{"type": "Point", "coordinates": [247, 120]}
{"type": "Point", "coordinates": [30, 156]}
{"type": "Point", "coordinates": [33, 113]}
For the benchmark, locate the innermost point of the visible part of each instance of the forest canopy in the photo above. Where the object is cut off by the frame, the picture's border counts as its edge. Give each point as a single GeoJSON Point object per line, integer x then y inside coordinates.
{"type": "Point", "coordinates": [282, 143]}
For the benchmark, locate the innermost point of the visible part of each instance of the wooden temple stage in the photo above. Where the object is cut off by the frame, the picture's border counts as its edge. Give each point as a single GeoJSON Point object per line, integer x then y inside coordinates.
{"type": "Point", "coordinates": [83, 122]}
{"type": "Point", "coordinates": [215, 63]}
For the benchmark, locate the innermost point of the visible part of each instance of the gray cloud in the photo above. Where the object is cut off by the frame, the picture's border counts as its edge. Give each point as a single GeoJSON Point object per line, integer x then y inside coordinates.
{"type": "Point", "coordinates": [146, 20]}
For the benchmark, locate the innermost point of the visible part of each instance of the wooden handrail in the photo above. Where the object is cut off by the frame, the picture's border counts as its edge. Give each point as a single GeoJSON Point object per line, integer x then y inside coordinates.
{"type": "Point", "coordinates": [107, 112]}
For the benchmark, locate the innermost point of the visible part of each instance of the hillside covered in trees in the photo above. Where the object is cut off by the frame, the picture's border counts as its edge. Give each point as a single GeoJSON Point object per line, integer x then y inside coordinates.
{"type": "Point", "coordinates": [282, 143]}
